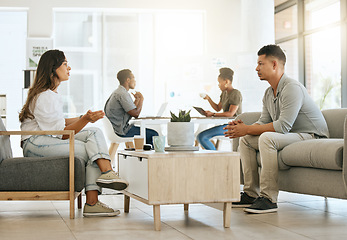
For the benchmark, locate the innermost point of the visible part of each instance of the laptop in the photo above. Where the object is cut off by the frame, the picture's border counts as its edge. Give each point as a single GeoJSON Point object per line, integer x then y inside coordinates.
{"type": "Point", "coordinates": [200, 110]}
{"type": "Point", "coordinates": [160, 112]}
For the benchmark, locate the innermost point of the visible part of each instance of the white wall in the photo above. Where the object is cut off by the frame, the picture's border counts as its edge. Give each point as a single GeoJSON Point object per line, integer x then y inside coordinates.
{"type": "Point", "coordinates": [235, 30]}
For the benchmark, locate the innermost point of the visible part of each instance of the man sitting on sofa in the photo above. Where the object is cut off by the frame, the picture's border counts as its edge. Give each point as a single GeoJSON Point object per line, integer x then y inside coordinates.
{"type": "Point", "coordinates": [289, 115]}
{"type": "Point", "coordinates": [120, 108]}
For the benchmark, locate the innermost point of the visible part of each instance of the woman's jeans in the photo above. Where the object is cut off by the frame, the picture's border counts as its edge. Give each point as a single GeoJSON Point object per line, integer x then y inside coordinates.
{"type": "Point", "coordinates": [90, 145]}
{"type": "Point", "coordinates": [136, 131]}
{"type": "Point", "coordinates": [205, 136]}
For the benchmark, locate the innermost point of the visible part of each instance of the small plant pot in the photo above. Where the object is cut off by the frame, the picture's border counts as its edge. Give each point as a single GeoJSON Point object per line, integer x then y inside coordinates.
{"type": "Point", "coordinates": [180, 134]}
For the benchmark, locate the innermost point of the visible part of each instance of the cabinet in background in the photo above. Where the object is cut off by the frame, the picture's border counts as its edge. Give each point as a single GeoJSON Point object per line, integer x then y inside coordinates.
{"type": "Point", "coordinates": [3, 108]}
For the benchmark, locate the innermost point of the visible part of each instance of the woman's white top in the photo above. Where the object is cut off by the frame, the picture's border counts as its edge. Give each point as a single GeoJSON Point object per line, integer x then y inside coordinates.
{"type": "Point", "coordinates": [48, 114]}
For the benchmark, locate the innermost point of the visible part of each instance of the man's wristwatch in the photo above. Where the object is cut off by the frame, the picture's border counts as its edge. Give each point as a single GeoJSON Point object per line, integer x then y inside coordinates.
{"type": "Point", "coordinates": [214, 114]}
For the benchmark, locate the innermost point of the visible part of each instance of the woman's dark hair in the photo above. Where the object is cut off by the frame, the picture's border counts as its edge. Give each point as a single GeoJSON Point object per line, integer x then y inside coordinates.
{"type": "Point", "coordinates": [226, 73]}
{"type": "Point", "coordinates": [273, 50]}
{"type": "Point", "coordinates": [45, 78]}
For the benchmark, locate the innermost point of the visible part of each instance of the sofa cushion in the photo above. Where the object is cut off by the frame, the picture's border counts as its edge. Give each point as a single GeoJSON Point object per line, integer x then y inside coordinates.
{"type": "Point", "coordinates": [40, 174]}
{"type": "Point", "coordinates": [315, 153]}
{"type": "Point", "coordinates": [5, 145]}
{"type": "Point", "coordinates": [335, 119]}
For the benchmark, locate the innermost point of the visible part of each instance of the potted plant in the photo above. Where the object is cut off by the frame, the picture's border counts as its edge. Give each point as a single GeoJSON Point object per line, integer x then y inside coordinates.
{"type": "Point", "coordinates": [180, 131]}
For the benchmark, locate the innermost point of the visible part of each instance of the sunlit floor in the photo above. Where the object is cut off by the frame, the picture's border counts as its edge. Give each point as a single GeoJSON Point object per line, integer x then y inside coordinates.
{"type": "Point", "coordinates": [298, 217]}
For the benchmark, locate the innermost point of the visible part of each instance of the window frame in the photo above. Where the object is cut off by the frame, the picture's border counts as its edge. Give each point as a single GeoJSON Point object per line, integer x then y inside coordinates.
{"type": "Point", "coordinates": [342, 23]}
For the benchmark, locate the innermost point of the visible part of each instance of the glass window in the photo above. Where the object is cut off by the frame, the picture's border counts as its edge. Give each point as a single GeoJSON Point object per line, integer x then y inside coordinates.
{"type": "Point", "coordinates": [78, 35]}
{"type": "Point", "coordinates": [79, 93]}
{"type": "Point", "coordinates": [151, 44]}
{"type": "Point", "coordinates": [286, 22]}
{"type": "Point", "coordinates": [121, 47]}
{"type": "Point", "coordinates": [179, 34]}
{"type": "Point", "coordinates": [323, 67]}
{"type": "Point", "coordinates": [179, 41]}
{"type": "Point", "coordinates": [75, 29]}
{"type": "Point", "coordinates": [320, 13]}
{"type": "Point", "coordinates": [291, 50]}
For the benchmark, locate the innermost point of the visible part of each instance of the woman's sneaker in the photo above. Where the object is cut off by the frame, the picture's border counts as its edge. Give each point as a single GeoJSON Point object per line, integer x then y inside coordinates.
{"type": "Point", "coordinates": [111, 180]}
{"type": "Point", "coordinates": [99, 209]}
{"type": "Point", "coordinates": [245, 201]}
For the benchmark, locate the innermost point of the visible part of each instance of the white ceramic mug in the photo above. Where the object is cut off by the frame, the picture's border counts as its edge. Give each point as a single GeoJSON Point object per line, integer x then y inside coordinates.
{"type": "Point", "coordinates": [159, 143]}
{"type": "Point", "coordinates": [203, 95]}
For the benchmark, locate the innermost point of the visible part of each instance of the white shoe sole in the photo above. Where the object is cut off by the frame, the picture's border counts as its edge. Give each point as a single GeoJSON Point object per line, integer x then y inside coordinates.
{"type": "Point", "coordinates": [111, 181]}
{"type": "Point", "coordinates": [250, 210]}
{"type": "Point", "coordinates": [104, 214]}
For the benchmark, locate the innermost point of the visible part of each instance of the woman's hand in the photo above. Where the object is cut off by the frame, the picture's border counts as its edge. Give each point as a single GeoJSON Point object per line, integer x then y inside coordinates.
{"type": "Point", "coordinates": [209, 114]}
{"type": "Point", "coordinates": [93, 116]}
{"type": "Point", "coordinates": [79, 124]}
{"type": "Point", "coordinates": [206, 97]}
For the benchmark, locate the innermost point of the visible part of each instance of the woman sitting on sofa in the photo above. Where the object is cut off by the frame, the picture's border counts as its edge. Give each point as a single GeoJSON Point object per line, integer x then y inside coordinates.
{"type": "Point", "coordinates": [43, 110]}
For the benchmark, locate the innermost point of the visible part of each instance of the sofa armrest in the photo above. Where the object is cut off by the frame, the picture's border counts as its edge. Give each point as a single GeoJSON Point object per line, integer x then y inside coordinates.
{"type": "Point", "coordinates": [60, 132]}
{"type": "Point", "coordinates": [344, 161]}
{"type": "Point", "coordinates": [71, 134]}
{"type": "Point", "coordinates": [248, 118]}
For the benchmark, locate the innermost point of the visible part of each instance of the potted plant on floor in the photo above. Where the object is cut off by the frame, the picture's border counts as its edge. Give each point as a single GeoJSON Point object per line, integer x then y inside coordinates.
{"type": "Point", "coordinates": [180, 131]}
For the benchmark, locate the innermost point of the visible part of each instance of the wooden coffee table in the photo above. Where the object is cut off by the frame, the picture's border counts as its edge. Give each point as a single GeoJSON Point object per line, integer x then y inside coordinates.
{"type": "Point", "coordinates": [181, 178]}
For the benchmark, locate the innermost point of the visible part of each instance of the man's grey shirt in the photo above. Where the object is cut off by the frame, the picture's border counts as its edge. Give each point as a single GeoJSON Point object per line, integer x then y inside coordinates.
{"type": "Point", "coordinates": [116, 110]}
{"type": "Point", "coordinates": [292, 110]}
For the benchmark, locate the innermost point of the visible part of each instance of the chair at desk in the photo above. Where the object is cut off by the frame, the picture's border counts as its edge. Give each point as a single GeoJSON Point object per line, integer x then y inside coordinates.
{"type": "Point", "coordinates": [219, 139]}
{"type": "Point", "coordinates": [115, 139]}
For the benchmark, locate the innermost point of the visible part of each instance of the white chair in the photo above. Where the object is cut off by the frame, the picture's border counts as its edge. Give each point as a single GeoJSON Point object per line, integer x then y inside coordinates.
{"type": "Point", "coordinates": [115, 139]}
{"type": "Point", "coordinates": [219, 139]}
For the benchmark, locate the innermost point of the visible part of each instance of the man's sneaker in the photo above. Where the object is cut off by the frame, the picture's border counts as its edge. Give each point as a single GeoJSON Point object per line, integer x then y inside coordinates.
{"type": "Point", "coordinates": [111, 180]}
{"type": "Point", "coordinates": [245, 201]}
{"type": "Point", "coordinates": [262, 205]}
{"type": "Point", "coordinates": [99, 209]}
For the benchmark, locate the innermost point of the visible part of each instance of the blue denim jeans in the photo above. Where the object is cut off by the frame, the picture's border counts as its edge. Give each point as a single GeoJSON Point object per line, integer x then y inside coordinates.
{"type": "Point", "coordinates": [136, 131]}
{"type": "Point", "coordinates": [205, 136]}
{"type": "Point", "coordinates": [90, 145]}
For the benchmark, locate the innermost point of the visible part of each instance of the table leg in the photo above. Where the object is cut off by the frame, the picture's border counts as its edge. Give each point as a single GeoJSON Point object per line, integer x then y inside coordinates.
{"type": "Point", "coordinates": [227, 214]}
{"type": "Point", "coordinates": [186, 207]}
{"type": "Point", "coordinates": [126, 203]}
{"type": "Point", "coordinates": [143, 129]}
{"type": "Point", "coordinates": [156, 214]}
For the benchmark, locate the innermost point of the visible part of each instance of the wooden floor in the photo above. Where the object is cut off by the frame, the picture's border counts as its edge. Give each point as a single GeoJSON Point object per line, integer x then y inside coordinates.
{"type": "Point", "coordinates": [298, 217]}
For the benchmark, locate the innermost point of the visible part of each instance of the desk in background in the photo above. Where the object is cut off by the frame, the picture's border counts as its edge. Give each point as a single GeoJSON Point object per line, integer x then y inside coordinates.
{"type": "Point", "coordinates": [143, 122]}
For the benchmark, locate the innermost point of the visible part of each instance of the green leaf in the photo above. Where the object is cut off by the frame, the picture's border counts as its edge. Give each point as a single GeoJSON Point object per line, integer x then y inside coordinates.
{"type": "Point", "coordinates": [174, 118]}
{"type": "Point", "coordinates": [183, 116]}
